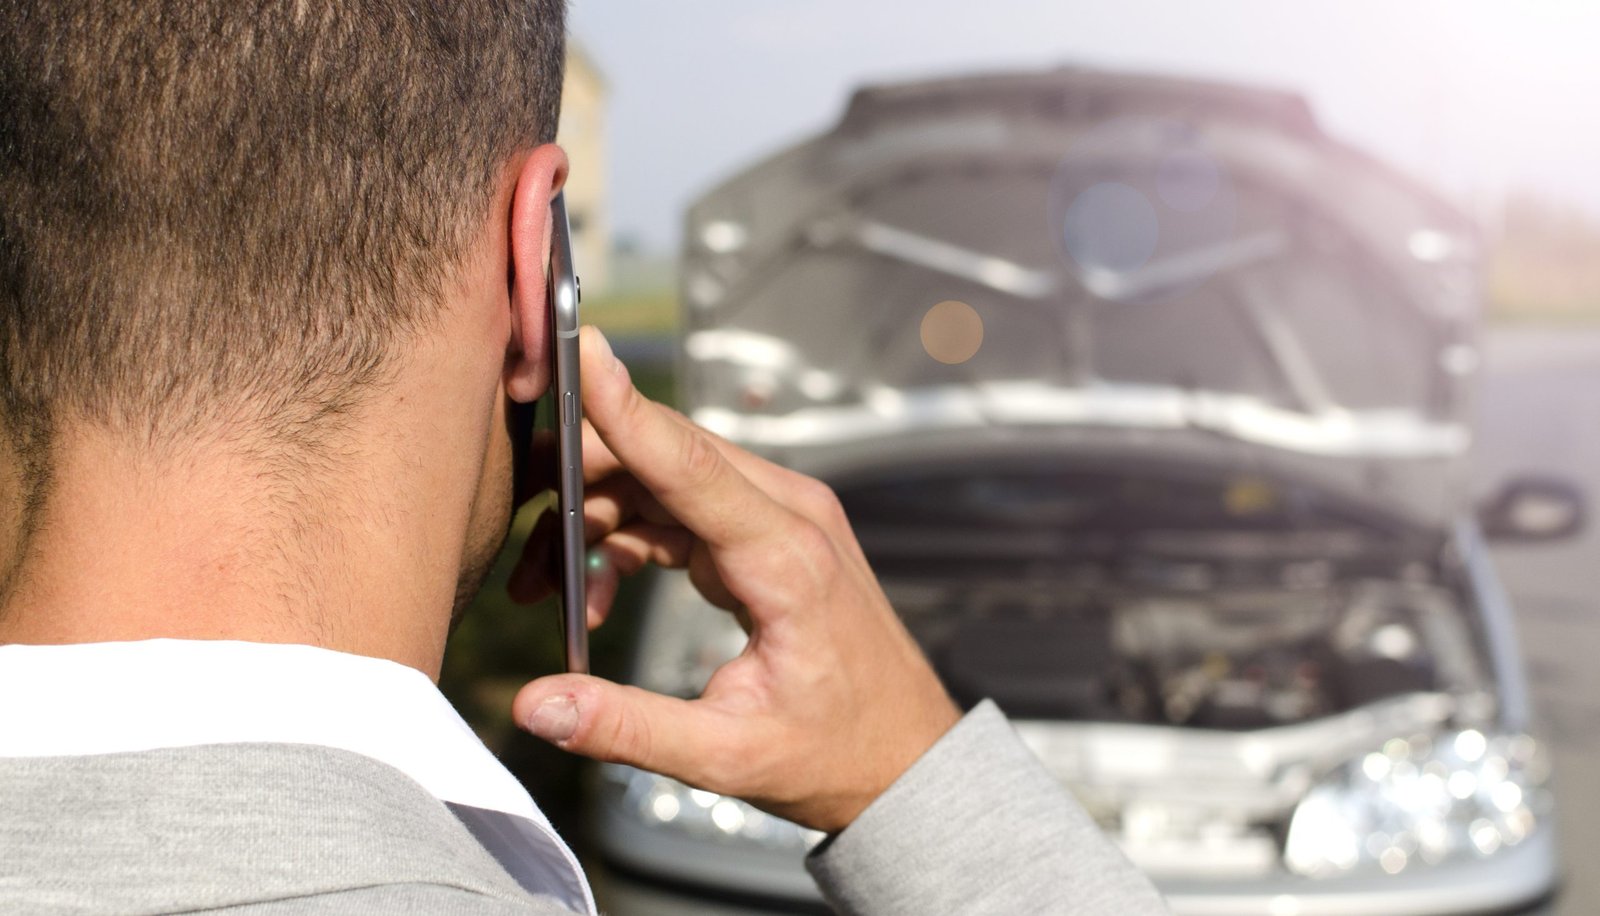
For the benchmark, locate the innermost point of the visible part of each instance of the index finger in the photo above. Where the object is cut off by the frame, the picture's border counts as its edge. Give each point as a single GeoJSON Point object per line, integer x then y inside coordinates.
{"type": "Point", "coordinates": [678, 462]}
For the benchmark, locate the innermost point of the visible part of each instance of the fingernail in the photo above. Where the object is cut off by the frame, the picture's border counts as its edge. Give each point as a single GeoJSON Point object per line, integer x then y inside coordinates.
{"type": "Point", "coordinates": [616, 365]}
{"type": "Point", "coordinates": [555, 719]}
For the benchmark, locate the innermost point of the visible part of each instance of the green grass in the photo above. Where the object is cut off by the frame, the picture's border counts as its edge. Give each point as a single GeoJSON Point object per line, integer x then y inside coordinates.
{"type": "Point", "coordinates": [633, 313]}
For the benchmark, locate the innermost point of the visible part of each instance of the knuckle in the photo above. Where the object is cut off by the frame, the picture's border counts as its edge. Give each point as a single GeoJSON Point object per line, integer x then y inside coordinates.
{"type": "Point", "coordinates": [699, 461]}
{"type": "Point", "coordinates": [824, 503]}
{"type": "Point", "coordinates": [629, 739]}
{"type": "Point", "coordinates": [815, 549]}
{"type": "Point", "coordinates": [631, 404]}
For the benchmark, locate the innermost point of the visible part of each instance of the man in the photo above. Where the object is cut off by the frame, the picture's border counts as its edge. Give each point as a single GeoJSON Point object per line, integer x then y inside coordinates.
{"type": "Point", "coordinates": [269, 274]}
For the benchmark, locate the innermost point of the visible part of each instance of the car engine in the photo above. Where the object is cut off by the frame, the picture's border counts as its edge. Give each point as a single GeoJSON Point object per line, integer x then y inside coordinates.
{"type": "Point", "coordinates": [1225, 658]}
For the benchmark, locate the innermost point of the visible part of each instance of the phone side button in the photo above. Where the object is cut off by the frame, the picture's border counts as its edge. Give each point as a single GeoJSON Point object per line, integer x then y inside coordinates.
{"type": "Point", "coordinates": [569, 409]}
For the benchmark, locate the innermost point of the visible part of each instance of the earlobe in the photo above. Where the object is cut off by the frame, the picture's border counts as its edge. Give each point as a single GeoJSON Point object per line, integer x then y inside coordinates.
{"type": "Point", "coordinates": [539, 178]}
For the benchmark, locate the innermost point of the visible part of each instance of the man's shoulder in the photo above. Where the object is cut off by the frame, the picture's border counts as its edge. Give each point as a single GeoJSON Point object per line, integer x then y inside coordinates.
{"type": "Point", "coordinates": [261, 827]}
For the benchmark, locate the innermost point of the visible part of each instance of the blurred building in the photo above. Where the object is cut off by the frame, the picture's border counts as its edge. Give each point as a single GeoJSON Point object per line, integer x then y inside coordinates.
{"type": "Point", "coordinates": [582, 132]}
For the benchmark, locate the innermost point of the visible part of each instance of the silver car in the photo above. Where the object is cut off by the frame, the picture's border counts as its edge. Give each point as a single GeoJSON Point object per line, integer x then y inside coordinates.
{"type": "Point", "coordinates": [1148, 402]}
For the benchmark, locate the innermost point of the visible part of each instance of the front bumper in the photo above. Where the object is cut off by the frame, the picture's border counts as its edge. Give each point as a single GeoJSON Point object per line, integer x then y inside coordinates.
{"type": "Point", "coordinates": [654, 873]}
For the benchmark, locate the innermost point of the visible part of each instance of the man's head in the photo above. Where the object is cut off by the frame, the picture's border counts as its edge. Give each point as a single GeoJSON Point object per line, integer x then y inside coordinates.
{"type": "Point", "coordinates": [227, 221]}
{"type": "Point", "coordinates": [226, 212]}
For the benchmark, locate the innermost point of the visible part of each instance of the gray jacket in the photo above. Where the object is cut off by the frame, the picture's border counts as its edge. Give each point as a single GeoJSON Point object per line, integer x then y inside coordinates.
{"type": "Point", "coordinates": [976, 826]}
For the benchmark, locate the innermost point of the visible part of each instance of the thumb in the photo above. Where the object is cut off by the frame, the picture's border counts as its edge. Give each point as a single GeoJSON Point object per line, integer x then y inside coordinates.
{"type": "Point", "coordinates": [619, 724]}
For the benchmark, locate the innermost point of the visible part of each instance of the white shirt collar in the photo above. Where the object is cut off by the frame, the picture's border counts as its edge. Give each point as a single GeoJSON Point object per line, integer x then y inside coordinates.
{"type": "Point", "coordinates": [103, 698]}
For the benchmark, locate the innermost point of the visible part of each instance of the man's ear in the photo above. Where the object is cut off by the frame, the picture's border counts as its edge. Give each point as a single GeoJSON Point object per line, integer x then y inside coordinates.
{"type": "Point", "coordinates": [539, 179]}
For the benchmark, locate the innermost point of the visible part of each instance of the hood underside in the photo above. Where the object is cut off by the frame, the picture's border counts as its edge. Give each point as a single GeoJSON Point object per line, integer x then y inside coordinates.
{"type": "Point", "coordinates": [1127, 253]}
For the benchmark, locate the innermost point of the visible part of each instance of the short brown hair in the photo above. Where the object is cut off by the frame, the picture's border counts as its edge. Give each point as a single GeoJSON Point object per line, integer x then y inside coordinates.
{"type": "Point", "coordinates": [231, 209]}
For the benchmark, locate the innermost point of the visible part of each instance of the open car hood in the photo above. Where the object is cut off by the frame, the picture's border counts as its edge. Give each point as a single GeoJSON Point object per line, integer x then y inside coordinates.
{"type": "Point", "coordinates": [1146, 256]}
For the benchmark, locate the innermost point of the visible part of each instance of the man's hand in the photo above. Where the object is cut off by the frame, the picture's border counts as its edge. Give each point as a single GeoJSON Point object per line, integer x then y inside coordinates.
{"type": "Point", "coordinates": [831, 700]}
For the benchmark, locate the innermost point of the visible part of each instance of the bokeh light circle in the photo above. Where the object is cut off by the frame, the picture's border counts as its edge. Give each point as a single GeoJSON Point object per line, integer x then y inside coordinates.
{"type": "Point", "coordinates": [1112, 226]}
{"type": "Point", "coordinates": [952, 332]}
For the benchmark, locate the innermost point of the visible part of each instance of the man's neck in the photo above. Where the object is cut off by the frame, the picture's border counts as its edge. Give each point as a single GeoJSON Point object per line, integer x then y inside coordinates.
{"type": "Point", "coordinates": [211, 546]}
{"type": "Point", "coordinates": [359, 547]}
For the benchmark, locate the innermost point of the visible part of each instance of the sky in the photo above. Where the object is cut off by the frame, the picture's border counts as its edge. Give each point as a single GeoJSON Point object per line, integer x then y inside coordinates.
{"type": "Point", "coordinates": [1476, 96]}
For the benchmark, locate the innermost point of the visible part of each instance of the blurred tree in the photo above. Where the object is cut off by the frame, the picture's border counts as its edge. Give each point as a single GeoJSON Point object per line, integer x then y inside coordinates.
{"type": "Point", "coordinates": [1546, 261]}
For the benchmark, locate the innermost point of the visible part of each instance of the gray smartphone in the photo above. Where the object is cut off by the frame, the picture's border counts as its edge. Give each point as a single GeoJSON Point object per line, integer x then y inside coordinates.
{"type": "Point", "coordinates": [566, 401]}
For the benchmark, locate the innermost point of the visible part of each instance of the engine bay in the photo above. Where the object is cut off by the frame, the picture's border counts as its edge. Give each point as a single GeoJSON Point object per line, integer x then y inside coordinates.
{"type": "Point", "coordinates": [1224, 658]}
{"type": "Point", "coordinates": [1165, 595]}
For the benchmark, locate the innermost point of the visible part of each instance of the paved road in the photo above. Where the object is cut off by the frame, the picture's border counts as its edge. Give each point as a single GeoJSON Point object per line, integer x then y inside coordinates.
{"type": "Point", "coordinates": [1540, 410]}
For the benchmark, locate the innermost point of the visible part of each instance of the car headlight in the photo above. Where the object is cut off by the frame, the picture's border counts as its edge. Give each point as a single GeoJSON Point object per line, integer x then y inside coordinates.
{"type": "Point", "coordinates": [669, 804]}
{"type": "Point", "coordinates": [1423, 799]}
